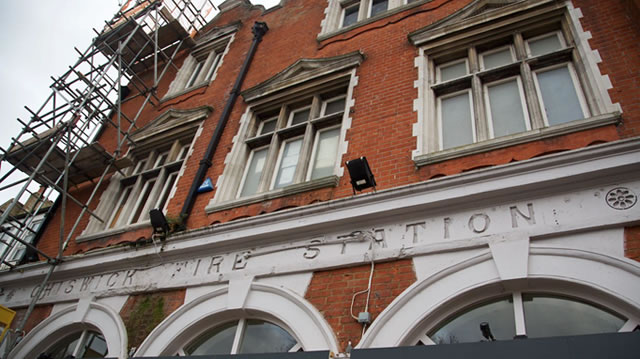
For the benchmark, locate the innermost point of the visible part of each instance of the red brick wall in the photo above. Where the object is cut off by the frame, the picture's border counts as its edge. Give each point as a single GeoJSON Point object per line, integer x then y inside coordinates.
{"type": "Point", "coordinates": [143, 312]}
{"type": "Point", "coordinates": [39, 313]}
{"type": "Point", "coordinates": [331, 293]}
{"type": "Point", "coordinates": [632, 243]}
{"type": "Point", "coordinates": [616, 34]}
{"type": "Point", "coordinates": [383, 115]}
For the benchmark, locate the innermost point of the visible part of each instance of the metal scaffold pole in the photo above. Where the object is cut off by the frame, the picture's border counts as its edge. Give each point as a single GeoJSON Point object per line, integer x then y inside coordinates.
{"type": "Point", "coordinates": [58, 148]}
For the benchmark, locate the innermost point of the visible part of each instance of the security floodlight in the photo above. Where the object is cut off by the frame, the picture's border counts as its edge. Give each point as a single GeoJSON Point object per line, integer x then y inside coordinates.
{"type": "Point", "coordinates": [158, 221]}
{"type": "Point", "coordinates": [361, 175]}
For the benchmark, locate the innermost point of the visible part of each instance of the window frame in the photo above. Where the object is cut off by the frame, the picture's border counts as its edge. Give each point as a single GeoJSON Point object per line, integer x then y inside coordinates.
{"type": "Point", "coordinates": [493, 51]}
{"type": "Point", "coordinates": [314, 151]}
{"type": "Point", "coordinates": [239, 336]}
{"type": "Point", "coordinates": [201, 66]}
{"type": "Point", "coordinates": [439, 116]}
{"type": "Point", "coordinates": [516, 298]}
{"type": "Point", "coordinates": [523, 103]}
{"type": "Point", "coordinates": [285, 132]}
{"type": "Point", "coordinates": [576, 85]}
{"type": "Point", "coordinates": [508, 25]}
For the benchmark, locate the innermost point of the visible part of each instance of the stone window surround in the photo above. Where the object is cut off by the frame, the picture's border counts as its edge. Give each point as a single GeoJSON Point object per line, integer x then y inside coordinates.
{"type": "Point", "coordinates": [332, 23]}
{"type": "Point", "coordinates": [170, 129]}
{"type": "Point", "coordinates": [302, 79]}
{"type": "Point", "coordinates": [212, 50]}
{"type": "Point", "coordinates": [508, 19]}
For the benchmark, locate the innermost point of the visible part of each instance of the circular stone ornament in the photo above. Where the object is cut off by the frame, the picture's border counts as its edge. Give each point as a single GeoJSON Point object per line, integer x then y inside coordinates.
{"type": "Point", "coordinates": [621, 198]}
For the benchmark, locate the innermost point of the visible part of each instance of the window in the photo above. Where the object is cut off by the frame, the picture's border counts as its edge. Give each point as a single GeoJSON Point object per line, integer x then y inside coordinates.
{"type": "Point", "coordinates": [531, 315]}
{"type": "Point", "coordinates": [350, 14]}
{"type": "Point", "coordinates": [496, 91]}
{"type": "Point", "coordinates": [204, 68]}
{"type": "Point", "coordinates": [244, 336]}
{"type": "Point", "coordinates": [85, 344]}
{"type": "Point", "coordinates": [17, 250]}
{"type": "Point", "coordinates": [296, 143]}
{"type": "Point", "coordinates": [292, 135]}
{"type": "Point", "coordinates": [150, 171]}
{"type": "Point", "coordinates": [201, 66]}
{"type": "Point", "coordinates": [148, 185]}
{"type": "Point", "coordinates": [517, 81]}
{"type": "Point", "coordinates": [345, 13]}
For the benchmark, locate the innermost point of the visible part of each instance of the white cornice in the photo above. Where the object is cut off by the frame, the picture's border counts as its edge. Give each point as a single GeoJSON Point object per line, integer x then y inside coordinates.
{"type": "Point", "coordinates": [597, 165]}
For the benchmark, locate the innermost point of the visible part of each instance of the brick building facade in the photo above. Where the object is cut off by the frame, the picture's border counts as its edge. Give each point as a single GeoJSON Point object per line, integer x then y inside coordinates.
{"type": "Point", "coordinates": [504, 137]}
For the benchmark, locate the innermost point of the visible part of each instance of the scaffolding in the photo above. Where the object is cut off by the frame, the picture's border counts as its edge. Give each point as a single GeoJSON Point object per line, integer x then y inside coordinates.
{"type": "Point", "coordinates": [56, 150]}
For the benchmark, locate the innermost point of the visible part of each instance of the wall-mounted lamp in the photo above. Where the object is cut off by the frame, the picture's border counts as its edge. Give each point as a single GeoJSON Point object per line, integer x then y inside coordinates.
{"type": "Point", "coordinates": [159, 222]}
{"type": "Point", "coordinates": [361, 175]}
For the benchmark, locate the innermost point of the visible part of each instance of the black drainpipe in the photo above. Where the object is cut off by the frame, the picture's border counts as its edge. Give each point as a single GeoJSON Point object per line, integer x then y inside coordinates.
{"type": "Point", "coordinates": [259, 29]}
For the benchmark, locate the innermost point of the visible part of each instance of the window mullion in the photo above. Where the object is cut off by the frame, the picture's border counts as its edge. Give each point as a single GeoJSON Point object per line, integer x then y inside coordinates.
{"type": "Point", "coordinates": [531, 96]}
{"type": "Point", "coordinates": [235, 348]}
{"type": "Point", "coordinates": [81, 342]}
{"type": "Point", "coordinates": [479, 117]}
{"type": "Point", "coordinates": [364, 9]}
{"type": "Point", "coordinates": [305, 154]}
{"type": "Point", "coordinates": [270, 163]}
{"type": "Point", "coordinates": [518, 311]}
{"type": "Point", "coordinates": [432, 129]}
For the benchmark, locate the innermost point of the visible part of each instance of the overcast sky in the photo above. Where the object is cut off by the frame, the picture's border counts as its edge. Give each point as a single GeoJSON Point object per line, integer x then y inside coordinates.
{"type": "Point", "coordinates": [37, 40]}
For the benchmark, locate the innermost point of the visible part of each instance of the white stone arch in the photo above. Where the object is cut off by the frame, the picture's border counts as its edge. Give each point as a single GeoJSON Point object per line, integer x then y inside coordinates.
{"type": "Point", "coordinates": [81, 316]}
{"type": "Point", "coordinates": [599, 278]}
{"type": "Point", "coordinates": [250, 300]}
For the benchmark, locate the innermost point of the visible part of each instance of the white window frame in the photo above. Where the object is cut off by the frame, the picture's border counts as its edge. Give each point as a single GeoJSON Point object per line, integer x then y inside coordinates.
{"type": "Point", "coordinates": [493, 51]}
{"type": "Point", "coordinates": [558, 33]}
{"type": "Point", "coordinates": [344, 10]}
{"type": "Point", "coordinates": [294, 111]}
{"type": "Point", "coordinates": [246, 169]}
{"type": "Point", "coordinates": [276, 169]}
{"type": "Point", "coordinates": [238, 337]}
{"type": "Point", "coordinates": [370, 8]}
{"type": "Point", "coordinates": [450, 63]}
{"type": "Point", "coordinates": [576, 85]}
{"type": "Point", "coordinates": [261, 125]}
{"type": "Point", "coordinates": [314, 152]}
{"type": "Point", "coordinates": [523, 102]}
{"type": "Point", "coordinates": [439, 116]}
{"type": "Point", "coordinates": [323, 109]}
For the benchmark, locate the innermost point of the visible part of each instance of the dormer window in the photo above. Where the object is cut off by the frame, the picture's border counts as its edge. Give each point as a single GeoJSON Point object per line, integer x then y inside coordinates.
{"type": "Point", "coordinates": [201, 65]}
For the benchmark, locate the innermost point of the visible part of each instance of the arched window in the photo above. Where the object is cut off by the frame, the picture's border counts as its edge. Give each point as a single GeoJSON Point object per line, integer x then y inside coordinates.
{"type": "Point", "coordinates": [524, 314]}
{"type": "Point", "coordinates": [84, 344]}
{"type": "Point", "coordinates": [243, 336]}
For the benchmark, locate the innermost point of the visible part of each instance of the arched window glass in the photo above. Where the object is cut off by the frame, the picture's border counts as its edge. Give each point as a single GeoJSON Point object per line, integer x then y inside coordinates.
{"type": "Point", "coordinates": [547, 316]}
{"type": "Point", "coordinates": [243, 336]}
{"type": "Point", "coordinates": [530, 315]}
{"type": "Point", "coordinates": [85, 344]}
{"type": "Point", "coordinates": [464, 327]}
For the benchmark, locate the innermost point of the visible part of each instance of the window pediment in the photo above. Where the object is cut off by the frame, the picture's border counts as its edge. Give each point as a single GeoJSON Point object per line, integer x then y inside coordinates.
{"type": "Point", "coordinates": [301, 71]}
{"type": "Point", "coordinates": [479, 12]}
{"type": "Point", "coordinates": [170, 125]}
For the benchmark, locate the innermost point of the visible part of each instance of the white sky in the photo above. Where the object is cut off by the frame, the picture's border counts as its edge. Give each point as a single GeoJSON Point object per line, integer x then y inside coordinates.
{"type": "Point", "coordinates": [37, 39]}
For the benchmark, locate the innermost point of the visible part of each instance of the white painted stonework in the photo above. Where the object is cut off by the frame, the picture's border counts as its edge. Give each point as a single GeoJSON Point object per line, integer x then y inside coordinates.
{"type": "Point", "coordinates": [440, 216]}
{"type": "Point", "coordinates": [542, 224]}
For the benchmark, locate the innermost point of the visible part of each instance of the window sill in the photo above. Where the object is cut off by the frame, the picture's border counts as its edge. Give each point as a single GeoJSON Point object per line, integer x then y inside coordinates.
{"type": "Point", "coordinates": [169, 97]}
{"type": "Point", "coordinates": [329, 181]}
{"type": "Point", "coordinates": [112, 232]}
{"type": "Point", "coordinates": [369, 20]}
{"type": "Point", "coordinates": [519, 138]}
